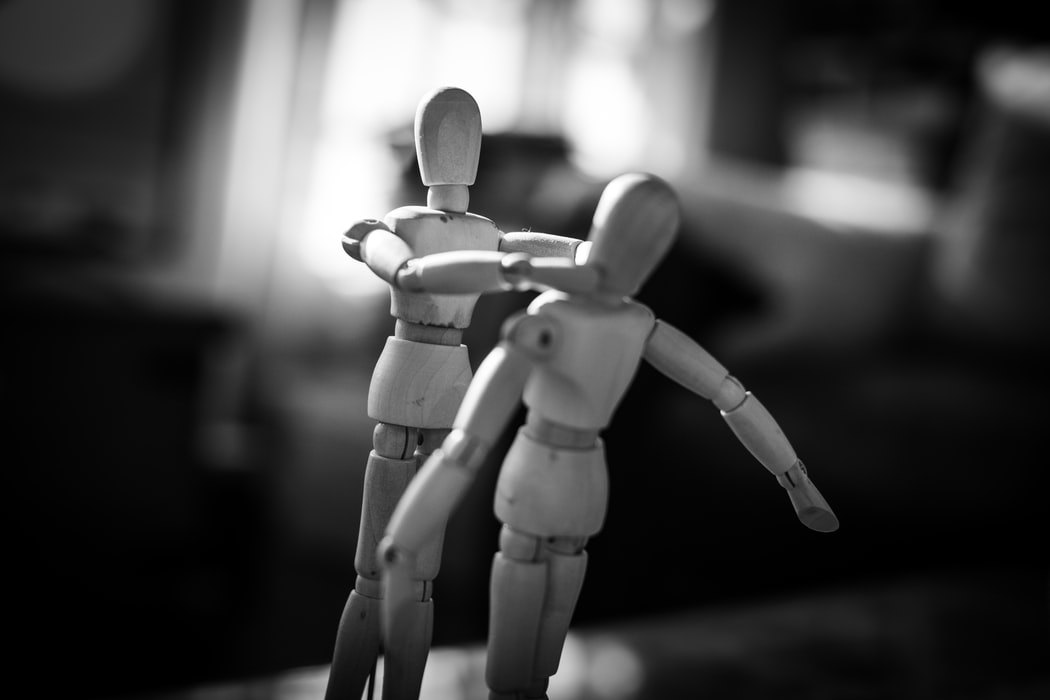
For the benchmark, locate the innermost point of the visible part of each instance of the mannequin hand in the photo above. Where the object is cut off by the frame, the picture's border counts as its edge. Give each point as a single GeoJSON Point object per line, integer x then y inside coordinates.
{"type": "Point", "coordinates": [812, 509]}
{"type": "Point", "coordinates": [352, 237]}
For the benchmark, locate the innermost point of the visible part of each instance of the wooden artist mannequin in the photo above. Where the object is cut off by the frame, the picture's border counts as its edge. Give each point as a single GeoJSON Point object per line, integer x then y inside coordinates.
{"type": "Point", "coordinates": [419, 380]}
{"type": "Point", "coordinates": [570, 358]}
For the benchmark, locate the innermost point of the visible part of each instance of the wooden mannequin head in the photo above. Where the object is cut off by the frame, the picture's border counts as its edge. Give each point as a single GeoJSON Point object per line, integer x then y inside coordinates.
{"type": "Point", "coordinates": [634, 226]}
{"type": "Point", "coordinates": [448, 137]}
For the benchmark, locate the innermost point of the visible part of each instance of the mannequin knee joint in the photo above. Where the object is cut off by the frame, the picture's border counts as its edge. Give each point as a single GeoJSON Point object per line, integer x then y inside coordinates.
{"type": "Point", "coordinates": [394, 441]}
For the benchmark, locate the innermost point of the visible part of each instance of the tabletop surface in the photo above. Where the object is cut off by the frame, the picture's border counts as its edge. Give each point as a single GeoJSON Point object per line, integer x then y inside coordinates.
{"type": "Point", "coordinates": [940, 636]}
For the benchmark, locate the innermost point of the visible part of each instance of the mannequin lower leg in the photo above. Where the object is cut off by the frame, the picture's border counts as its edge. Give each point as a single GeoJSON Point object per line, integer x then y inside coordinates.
{"type": "Point", "coordinates": [535, 585]}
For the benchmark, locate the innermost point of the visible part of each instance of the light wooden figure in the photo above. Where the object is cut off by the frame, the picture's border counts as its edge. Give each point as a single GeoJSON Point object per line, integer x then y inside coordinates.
{"type": "Point", "coordinates": [570, 357]}
{"type": "Point", "coordinates": [419, 381]}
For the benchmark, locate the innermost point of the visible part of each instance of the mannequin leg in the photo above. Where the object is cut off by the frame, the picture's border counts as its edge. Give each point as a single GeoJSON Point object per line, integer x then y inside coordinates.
{"type": "Point", "coordinates": [391, 465]}
{"type": "Point", "coordinates": [405, 657]}
{"type": "Point", "coordinates": [535, 585]}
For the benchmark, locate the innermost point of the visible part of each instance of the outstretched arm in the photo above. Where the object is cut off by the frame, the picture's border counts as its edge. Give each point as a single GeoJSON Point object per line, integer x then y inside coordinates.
{"type": "Point", "coordinates": [491, 400]}
{"type": "Point", "coordinates": [470, 271]}
{"type": "Point", "coordinates": [545, 245]}
{"type": "Point", "coordinates": [474, 271]}
{"type": "Point", "coordinates": [679, 357]}
{"type": "Point", "coordinates": [432, 495]}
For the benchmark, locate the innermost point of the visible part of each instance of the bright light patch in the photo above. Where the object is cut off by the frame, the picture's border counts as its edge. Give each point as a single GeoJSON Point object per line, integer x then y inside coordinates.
{"type": "Point", "coordinates": [615, 671]}
{"type": "Point", "coordinates": [348, 183]}
{"type": "Point", "coordinates": [849, 200]}
{"type": "Point", "coordinates": [573, 671]}
{"type": "Point", "coordinates": [605, 116]}
{"type": "Point", "coordinates": [598, 667]}
{"type": "Point", "coordinates": [386, 54]}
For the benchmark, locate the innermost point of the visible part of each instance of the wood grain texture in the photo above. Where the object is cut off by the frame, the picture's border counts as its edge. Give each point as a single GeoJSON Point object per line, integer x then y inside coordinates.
{"type": "Point", "coordinates": [448, 137]}
{"type": "Point", "coordinates": [455, 272]}
{"type": "Point", "coordinates": [597, 351]}
{"type": "Point", "coordinates": [428, 231]}
{"type": "Point", "coordinates": [683, 360]}
{"type": "Point", "coordinates": [539, 244]}
{"type": "Point", "coordinates": [418, 384]}
{"type": "Point", "coordinates": [760, 434]}
{"type": "Point", "coordinates": [356, 649]}
{"type": "Point", "coordinates": [385, 253]}
{"type": "Point", "coordinates": [385, 483]}
{"type": "Point", "coordinates": [550, 491]}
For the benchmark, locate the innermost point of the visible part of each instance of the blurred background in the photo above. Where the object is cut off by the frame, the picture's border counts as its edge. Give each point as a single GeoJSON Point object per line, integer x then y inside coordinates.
{"type": "Point", "coordinates": [186, 350]}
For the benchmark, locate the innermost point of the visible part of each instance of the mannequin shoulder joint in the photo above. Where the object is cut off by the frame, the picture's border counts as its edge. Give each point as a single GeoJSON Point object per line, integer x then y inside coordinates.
{"type": "Point", "coordinates": [533, 334]}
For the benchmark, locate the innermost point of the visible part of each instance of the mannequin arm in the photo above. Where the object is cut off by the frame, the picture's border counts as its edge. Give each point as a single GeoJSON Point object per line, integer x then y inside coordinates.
{"type": "Point", "coordinates": [473, 271]}
{"type": "Point", "coordinates": [679, 357]}
{"type": "Point", "coordinates": [435, 491]}
{"type": "Point", "coordinates": [546, 245]}
{"type": "Point", "coordinates": [373, 243]}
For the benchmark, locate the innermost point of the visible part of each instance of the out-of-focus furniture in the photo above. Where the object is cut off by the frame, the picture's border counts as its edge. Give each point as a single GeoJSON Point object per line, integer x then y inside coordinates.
{"type": "Point", "coordinates": [132, 534]}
